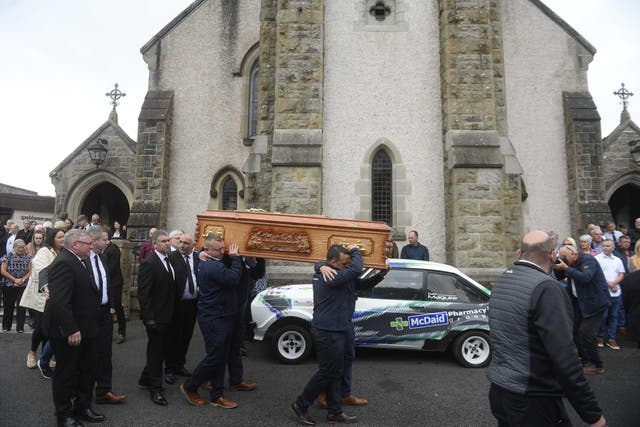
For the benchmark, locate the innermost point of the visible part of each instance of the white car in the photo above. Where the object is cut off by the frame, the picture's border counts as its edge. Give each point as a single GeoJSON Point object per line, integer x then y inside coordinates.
{"type": "Point", "coordinates": [419, 305]}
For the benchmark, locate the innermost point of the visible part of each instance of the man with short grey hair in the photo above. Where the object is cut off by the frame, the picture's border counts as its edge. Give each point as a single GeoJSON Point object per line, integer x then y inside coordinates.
{"type": "Point", "coordinates": [614, 273]}
{"type": "Point", "coordinates": [174, 238]}
{"type": "Point", "coordinates": [530, 311]}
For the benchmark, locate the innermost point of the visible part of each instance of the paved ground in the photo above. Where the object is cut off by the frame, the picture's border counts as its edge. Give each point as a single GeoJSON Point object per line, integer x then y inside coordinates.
{"type": "Point", "coordinates": [404, 389]}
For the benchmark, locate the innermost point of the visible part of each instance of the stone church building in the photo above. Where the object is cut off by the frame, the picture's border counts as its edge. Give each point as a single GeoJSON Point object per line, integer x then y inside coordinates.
{"type": "Point", "coordinates": [468, 120]}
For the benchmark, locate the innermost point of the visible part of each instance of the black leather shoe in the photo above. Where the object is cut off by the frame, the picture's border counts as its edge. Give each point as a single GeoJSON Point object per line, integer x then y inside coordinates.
{"type": "Point", "coordinates": [90, 416]}
{"type": "Point", "coordinates": [302, 417]}
{"type": "Point", "coordinates": [169, 378]}
{"type": "Point", "coordinates": [182, 372]}
{"type": "Point", "coordinates": [121, 338]}
{"type": "Point", "coordinates": [158, 398]}
{"type": "Point", "coordinates": [341, 418]}
{"type": "Point", "coordinates": [69, 422]}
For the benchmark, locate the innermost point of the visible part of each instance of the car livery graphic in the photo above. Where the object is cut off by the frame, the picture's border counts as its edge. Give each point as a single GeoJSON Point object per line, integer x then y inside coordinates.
{"type": "Point", "coordinates": [418, 305]}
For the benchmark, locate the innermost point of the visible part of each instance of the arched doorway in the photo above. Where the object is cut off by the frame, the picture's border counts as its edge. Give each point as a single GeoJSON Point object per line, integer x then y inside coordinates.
{"type": "Point", "coordinates": [624, 204]}
{"type": "Point", "coordinates": [108, 201]}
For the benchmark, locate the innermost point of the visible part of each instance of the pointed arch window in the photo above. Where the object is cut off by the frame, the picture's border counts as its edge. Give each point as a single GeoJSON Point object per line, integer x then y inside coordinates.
{"type": "Point", "coordinates": [229, 194]}
{"type": "Point", "coordinates": [381, 188]}
{"type": "Point", "coordinates": [252, 113]}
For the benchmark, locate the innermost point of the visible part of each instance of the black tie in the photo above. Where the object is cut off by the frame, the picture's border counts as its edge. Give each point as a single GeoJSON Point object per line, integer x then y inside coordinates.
{"type": "Point", "coordinates": [166, 260]}
{"type": "Point", "coordinates": [192, 288]}
{"type": "Point", "coordinates": [87, 264]}
{"type": "Point", "coordinates": [99, 273]}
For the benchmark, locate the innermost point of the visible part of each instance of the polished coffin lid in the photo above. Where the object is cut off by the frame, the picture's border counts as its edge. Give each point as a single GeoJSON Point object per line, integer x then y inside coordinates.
{"type": "Point", "coordinates": [295, 237]}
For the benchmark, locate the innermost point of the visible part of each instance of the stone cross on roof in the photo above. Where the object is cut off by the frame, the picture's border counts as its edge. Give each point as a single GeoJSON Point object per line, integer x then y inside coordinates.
{"type": "Point", "coordinates": [624, 94]}
{"type": "Point", "coordinates": [115, 94]}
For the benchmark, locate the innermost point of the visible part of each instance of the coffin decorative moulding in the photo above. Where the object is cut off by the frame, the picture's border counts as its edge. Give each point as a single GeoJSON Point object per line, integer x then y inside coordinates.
{"type": "Point", "coordinates": [295, 237]}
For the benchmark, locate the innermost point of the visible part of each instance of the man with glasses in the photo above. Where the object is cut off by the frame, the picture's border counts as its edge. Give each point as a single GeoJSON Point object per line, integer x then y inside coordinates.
{"type": "Point", "coordinates": [71, 320]}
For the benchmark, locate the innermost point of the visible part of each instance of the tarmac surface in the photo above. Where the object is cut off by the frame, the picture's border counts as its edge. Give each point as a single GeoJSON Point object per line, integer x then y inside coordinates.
{"type": "Point", "coordinates": [404, 389]}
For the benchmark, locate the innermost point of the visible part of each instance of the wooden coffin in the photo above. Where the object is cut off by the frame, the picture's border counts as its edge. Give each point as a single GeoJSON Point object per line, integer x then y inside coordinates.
{"type": "Point", "coordinates": [295, 237]}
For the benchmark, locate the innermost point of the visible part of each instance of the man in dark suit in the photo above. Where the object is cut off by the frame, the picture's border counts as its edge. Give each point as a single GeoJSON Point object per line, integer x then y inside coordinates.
{"type": "Point", "coordinates": [157, 296]}
{"type": "Point", "coordinates": [26, 233]}
{"type": "Point", "coordinates": [102, 278]}
{"type": "Point", "coordinates": [185, 262]}
{"type": "Point", "coordinates": [116, 281]}
{"type": "Point", "coordinates": [71, 320]}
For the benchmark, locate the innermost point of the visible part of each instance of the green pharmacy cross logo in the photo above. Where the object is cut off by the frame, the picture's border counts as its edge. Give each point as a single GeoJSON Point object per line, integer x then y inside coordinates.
{"type": "Point", "coordinates": [399, 324]}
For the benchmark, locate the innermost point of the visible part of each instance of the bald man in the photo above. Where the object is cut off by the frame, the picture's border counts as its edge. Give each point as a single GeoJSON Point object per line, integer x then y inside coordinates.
{"type": "Point", "coordinates": [530, 311]}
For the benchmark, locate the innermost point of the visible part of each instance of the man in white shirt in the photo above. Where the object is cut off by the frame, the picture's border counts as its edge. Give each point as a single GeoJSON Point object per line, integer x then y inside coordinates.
{"type": "Point", "coordinates": [614, 273]}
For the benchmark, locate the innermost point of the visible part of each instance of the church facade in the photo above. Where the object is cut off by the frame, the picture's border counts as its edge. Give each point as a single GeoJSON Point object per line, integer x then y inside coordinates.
{"type": "Point", "coordinates": [467, 120]}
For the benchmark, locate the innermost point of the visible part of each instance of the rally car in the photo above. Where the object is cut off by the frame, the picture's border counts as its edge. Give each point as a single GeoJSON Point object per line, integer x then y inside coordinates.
{"type": "Point", "coordinates": [419, 305]}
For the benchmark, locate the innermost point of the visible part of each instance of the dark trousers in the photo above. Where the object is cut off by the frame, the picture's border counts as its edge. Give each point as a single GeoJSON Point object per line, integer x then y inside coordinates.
{"type": "Point", "coordinates": [122, 320]}
{"type": "Point", "coordinates": [330, 346]}
{"type": "Point", "coordinates": [103, 343]}
{"type": "Point", "coordinates": [157, 342]}
{"type": "Point", "coordinates": [349, 356]}
{"type": "Point", "coordinates": [217, 341]}
{"type": "Point", "coordinates": [180, 331]}
{"type": "Point", "coordinates": [588, 330]}
{"type": "Point", "coordinates": [577, 320]}
{"type": "Point", "coordinates": [516, 410]}
{"type": "Point", "coordinates": [37, 336]}
{"type": "Point", "coordinates": [11, 295]}
{"type": "Point", "coordinates": [234, 361]}
{"type": "Point", "coordinates": [73, 376]}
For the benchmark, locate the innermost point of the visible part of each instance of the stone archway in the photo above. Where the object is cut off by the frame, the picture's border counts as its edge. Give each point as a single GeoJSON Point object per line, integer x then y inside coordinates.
{"type": "Point", "coordinates": [100, 188]}
{"type": "Point", "coordinates": [108, 201]}
{"type": "Point", "coordinates": [624, 204]}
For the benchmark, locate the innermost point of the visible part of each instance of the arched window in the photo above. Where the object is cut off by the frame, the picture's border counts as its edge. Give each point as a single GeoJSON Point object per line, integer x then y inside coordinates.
{"type": "Point", "coordinates": [229, 194]}
{"type": "Point", "coordinates": [252, 105]}
{"type": "Point", "coordinates": [381, 188]}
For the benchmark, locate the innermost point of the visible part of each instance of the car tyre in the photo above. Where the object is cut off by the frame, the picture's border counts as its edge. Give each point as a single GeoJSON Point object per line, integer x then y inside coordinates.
{"type": "Point", "coordinates": [292, 344]}
{"type": "Point", "coordinates": [472, 349]}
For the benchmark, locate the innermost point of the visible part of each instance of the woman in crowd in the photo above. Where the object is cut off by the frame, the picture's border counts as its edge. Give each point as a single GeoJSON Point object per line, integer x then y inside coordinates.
{"type": "Point", "coordinates": [36, 243]}
{"type": "Point", "coordinates": [35, 299]}
{"type": "Point", "coordinates": [68, 224]}
{"type": "Point", "coordinates": [118, 232]}
{"type": "Point", "coordinates": [585, 244]}
{"type": "Point", "coordinates": [569, 241]}
{"type": "Point", "coordinates": [634, 261]}
{"type": "Point", "coordinates": [16, 269]}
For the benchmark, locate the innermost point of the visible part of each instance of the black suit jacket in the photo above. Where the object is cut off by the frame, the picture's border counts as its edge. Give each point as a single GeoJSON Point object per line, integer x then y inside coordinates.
{"type": "Point", "coordinates": [180, 267]}
{"type": "Point", "coordinates": [111, 257]}
{"type": "Point", "coordinates": [26, 236]}
{"type": "Point", "coordinates": [74, 301]}
{"type": "Point", "coordinates": [157, 291]}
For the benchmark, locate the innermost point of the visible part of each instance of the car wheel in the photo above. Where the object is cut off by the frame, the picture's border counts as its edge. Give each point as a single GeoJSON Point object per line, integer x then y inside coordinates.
{"type": "Point", "coordinates": [291, 344]}
{"type": "Point", "coordinates": [472, 349]}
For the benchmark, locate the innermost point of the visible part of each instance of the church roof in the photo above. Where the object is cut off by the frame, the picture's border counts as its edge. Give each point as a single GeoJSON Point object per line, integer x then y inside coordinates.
{"type": "Point", "coordinates": [613, 136]}
{"type": "Point", "coordinates": [109, 123]}
{"type": "Point", "coordinates": [563, 24]}
{"type": "Point", "coordinates": [174, 23]}
{"type": "Point", "coordinates": [538, 3]}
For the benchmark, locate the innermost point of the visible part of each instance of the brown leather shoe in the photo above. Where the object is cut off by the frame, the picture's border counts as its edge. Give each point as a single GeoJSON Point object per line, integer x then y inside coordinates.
{"type": "Point", "coordinates": [192, 396]}
{"type": "Point", "coordinates": [110, 398]}
{"type": "Point", "coordinates": [593, 370]}
{"type": "Point", "coordinates": [243, 386]}
{"type": "Point", "coordinates": [354, 401]}
{"type": "Point", "coordinates": [600, 342]}
{"type": "Point", "coordinates": [322, 400]}
{"type": "Point", "coordinates": [221, 402]}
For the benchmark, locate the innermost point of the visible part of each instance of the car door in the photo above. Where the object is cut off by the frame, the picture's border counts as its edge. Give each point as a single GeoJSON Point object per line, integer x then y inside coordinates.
{"type": "Point", "coordinates": [456, 303]}
{"type": "Point", "coordinates": [383, 313]}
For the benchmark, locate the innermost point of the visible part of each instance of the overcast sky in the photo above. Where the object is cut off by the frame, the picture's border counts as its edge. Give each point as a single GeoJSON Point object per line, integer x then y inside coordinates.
{"type": "Point", "coordinates": [60, 57]}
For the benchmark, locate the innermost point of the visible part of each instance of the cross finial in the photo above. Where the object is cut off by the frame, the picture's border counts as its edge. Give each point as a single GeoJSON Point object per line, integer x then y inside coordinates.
{"type": "Point", "coordinates": [624, 94]}
{"type": "Point", "coordinates": [115, 94]}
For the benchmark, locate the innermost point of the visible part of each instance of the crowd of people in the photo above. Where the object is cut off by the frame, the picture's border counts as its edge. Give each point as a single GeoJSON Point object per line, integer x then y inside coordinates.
{"type": "Point", "coordinates": [69, 278]}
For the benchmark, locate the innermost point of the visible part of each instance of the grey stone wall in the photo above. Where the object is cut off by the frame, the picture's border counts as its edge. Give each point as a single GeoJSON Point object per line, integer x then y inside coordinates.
{"type": "Point", "coordinates": [584, 162]}
{"type": "Point", "coordinates": [152, 165]}
{"type": "Point", "coordinates": [617, 147]}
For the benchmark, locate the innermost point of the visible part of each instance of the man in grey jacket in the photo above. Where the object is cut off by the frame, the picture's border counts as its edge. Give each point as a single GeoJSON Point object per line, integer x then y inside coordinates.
{"type": "Point", "coordinates": [535, 362]}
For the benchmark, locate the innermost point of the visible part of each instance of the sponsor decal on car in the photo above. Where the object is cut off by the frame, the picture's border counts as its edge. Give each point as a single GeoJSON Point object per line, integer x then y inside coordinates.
{"type": "Point", "coordinates": [428, 320]}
